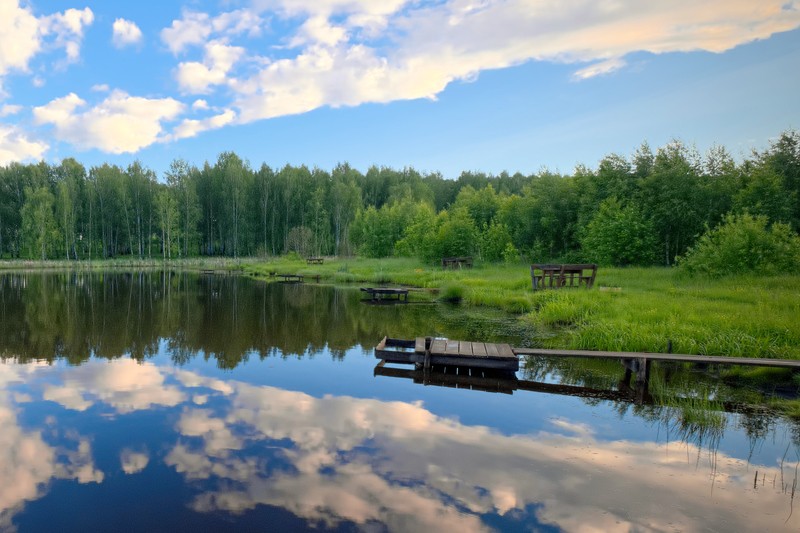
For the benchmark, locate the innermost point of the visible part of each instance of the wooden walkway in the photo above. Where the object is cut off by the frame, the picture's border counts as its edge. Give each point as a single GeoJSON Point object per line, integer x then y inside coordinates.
{"type": "Point", "coordinates": [427, 352]}
{"type": "Point", "coordinates": [685, 358]}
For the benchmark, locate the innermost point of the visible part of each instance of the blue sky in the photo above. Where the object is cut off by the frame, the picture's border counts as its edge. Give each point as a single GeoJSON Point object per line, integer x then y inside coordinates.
{"type": "Point", "coordinates": [440, 85]}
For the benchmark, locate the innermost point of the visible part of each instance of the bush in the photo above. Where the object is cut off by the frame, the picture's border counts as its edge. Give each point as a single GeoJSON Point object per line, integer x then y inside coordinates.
{"type": "Point", "coordinates": [741, 244]}
{"type": "Point", "coordinates": [619, 235]}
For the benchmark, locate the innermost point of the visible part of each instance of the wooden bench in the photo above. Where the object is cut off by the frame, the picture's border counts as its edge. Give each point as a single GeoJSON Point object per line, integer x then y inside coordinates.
{"type": "Point", "coordinates": [315, 260]}
{"type": "Point", "coordinates": [555, 276]}
{"type": "Point", "coordinates": [456, 262]}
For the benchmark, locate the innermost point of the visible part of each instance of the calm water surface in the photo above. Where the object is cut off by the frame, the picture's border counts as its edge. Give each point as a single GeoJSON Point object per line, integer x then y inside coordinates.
{"type": "Point", "coordinates": [171, 402]}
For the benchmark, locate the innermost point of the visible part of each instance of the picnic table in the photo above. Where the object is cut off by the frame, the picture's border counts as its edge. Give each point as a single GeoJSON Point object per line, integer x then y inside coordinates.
{"type": "Point", "coordinates": [456, 262]}
{"type": "Point", "coordinates": [556, 276]}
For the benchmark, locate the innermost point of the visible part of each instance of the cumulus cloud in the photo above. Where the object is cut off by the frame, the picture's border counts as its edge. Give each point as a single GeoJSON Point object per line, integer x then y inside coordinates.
{"type": "Point", "coordinates": [67, 27]}
{"type": "Point", "coordinates": [195, 77]}
{"type": "Point", "coordinates": [195, 28]}
{"type": "Point", "coordinates": [133, 462]}
{"type": "Point", "coordinates": [191, 127]}
{"type": "Point", "coordinates": [120, 123]}
{"type": "Point", "coordinates": [124, 385]}
{"type": "Point", "coordinates": [28, 462]}
{"type": "Point", "coordinates": [126, 33]}
{"type": "Point", "coordinates": [398, 464]}
{"type": "Point", "coordinates": [16, 146]}
{"type": "Point", "coordinates": [427, 46]}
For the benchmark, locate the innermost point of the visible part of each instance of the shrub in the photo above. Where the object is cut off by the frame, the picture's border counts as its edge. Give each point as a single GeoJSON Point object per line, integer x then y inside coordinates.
{"type": "Point", "coordinates": [741, 244]}
{"type": "Point", "coordinates": [619, 235]}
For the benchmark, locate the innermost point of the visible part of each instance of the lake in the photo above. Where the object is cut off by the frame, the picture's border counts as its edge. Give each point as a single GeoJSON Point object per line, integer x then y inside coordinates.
{"type": "Point", "coordinates": [164, 401]}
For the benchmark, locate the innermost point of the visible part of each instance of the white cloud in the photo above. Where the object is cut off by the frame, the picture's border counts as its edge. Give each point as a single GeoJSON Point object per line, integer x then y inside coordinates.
{"type": "Point", "coordinates": [23, 35]}
{"type": "Point", "coordinates": [200, 105]}
{"type": "Point", "coordinates": [119, 124]}
{"type": "Point", "coordinates": [101, 88]}
{"type": "Point", "coordinates": [28, 463]}
{"type": "Point", "coordinates": [399, 464]}
{"type": "Point", "coordinates": [194, 77]}
{"type": "Point", "coordinates": [133, 462]}
{"type": "Point", "coordinates": [191, 128]}
{"type": "Point", "coordinates": [9, 109]}
{"type": "Point", "coordinates": [68, 29]}
{"type": "Point", "coordinates": [430, 45]}
{"type": "Point", "coordinates": [599, 69]}
{"type": "Point", "coordinates": [196, 28]}
{"type": "Point", "coordinates": [16, 146]}
{"type": "Point", "coordinates": [126, 33]}
{"type": "Point", "coordinates": [19, 37]}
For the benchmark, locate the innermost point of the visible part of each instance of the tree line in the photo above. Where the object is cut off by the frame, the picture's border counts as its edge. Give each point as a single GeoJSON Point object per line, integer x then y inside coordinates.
{"type": "Point", "coordinates": [648, 208]}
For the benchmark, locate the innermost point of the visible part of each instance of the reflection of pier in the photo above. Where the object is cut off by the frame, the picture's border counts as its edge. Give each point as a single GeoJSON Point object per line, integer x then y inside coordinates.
{"type": "Point", "coordinates": [487, 380]}
{"type": "Point", "coordinates": [386, 294]}
{"type": "Point", "coordinates": [491, 367]}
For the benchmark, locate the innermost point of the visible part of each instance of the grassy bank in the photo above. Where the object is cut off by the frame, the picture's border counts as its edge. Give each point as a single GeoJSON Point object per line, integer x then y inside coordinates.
{"type": "Point", "coordinates": [632, 309]}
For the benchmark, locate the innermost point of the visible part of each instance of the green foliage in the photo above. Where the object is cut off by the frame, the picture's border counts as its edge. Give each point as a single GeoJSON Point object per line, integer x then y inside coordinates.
{"type": "Point", "coordinates": [495, 242]}
{"type": "Point", "coordinates": [619, 235]}
{"type": "Point", "coordinates": [226, 208]}
{"type": "Point", "coordinates": [456, 235]}
{"type": "Point", "coordinates": [38, 223]}
{"type": "Point", "coordinates": [744, 243]}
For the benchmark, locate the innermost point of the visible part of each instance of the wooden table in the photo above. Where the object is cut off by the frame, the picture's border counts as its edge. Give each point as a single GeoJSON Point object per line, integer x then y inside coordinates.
{"type": "Point", "coordinates": [556, 276]}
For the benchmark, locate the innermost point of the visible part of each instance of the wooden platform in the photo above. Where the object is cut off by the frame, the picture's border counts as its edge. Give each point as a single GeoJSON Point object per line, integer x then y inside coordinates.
{"type": "Point", "coordinates": [426, 352]}
{"type": "Point", "coordinates": [685, 358]}
{"type": "Point", "coordinates": [315, 260]}
{"type": "Point", "coordinates": [385, 293]}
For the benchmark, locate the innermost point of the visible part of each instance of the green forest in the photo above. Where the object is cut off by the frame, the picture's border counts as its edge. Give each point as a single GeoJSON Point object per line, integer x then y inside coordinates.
{"type": "Point", "coordinates": [648, 208]}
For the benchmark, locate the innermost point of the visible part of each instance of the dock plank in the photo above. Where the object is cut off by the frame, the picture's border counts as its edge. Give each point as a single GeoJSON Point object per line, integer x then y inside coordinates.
{"type": "Point", "coordinates": [479, 349]}
{"type": "Point", "coordinates": [504, 350]}
{"type": "Point", "coordinates": [465, 348]}
{"type": "Point", "coordinates": [438, 346]}
{"type": "Point", "coordinates": [419, 345]}
{"type": "Point", "coordinates": [452, 347]}
{"type": "Point", "coordinates": [491, 350]}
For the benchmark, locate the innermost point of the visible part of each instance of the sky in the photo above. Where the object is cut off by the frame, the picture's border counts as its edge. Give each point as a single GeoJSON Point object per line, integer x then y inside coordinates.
{"type": "Point", "coordinates": [439, 85]}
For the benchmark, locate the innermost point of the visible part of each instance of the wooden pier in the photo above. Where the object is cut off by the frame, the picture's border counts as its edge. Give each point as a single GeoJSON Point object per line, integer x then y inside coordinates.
{"type": "Point", "coordinates": [426, 352]}
{"type": "Point", "coordinates": [681, 358]}
{"type": "Point", "coordinates": [315, 260]}
{"type": "Point", "coordinates": [385, 293]}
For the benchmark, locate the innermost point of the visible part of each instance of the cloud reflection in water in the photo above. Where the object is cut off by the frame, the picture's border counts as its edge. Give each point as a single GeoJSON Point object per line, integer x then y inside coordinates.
{"type": "Point", "coordinates": [342, 459]}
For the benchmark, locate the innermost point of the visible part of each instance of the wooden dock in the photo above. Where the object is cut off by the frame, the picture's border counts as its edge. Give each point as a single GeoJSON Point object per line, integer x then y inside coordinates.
{"type": "Point", "coordinates": [426, 352]}
{"type": "Point", "coordinates": [684, 358]}
{"type": "Point", "coordinates": [385, 293]}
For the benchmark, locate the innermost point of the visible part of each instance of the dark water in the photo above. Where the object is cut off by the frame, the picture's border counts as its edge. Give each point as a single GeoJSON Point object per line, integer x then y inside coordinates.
{"type": "Point", "coordinates": [170, 402]}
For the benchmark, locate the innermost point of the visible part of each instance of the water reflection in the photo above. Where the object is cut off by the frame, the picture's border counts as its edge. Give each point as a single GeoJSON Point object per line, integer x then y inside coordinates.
{"type": "Point", "coordinates": [367, 462]}
{"type": "Point", "coordinates": [228, 318]}
{"type": "Point", "coordinates": [171, 402]}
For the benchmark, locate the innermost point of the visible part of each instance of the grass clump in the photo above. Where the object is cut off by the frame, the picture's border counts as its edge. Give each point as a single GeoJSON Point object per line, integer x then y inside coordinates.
{"type": "Point", "coordinates": [451, 293]}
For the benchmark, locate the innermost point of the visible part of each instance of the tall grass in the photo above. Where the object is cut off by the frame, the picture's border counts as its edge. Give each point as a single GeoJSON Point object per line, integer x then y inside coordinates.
{"type": "Point", "coordinates": [628, 309]}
